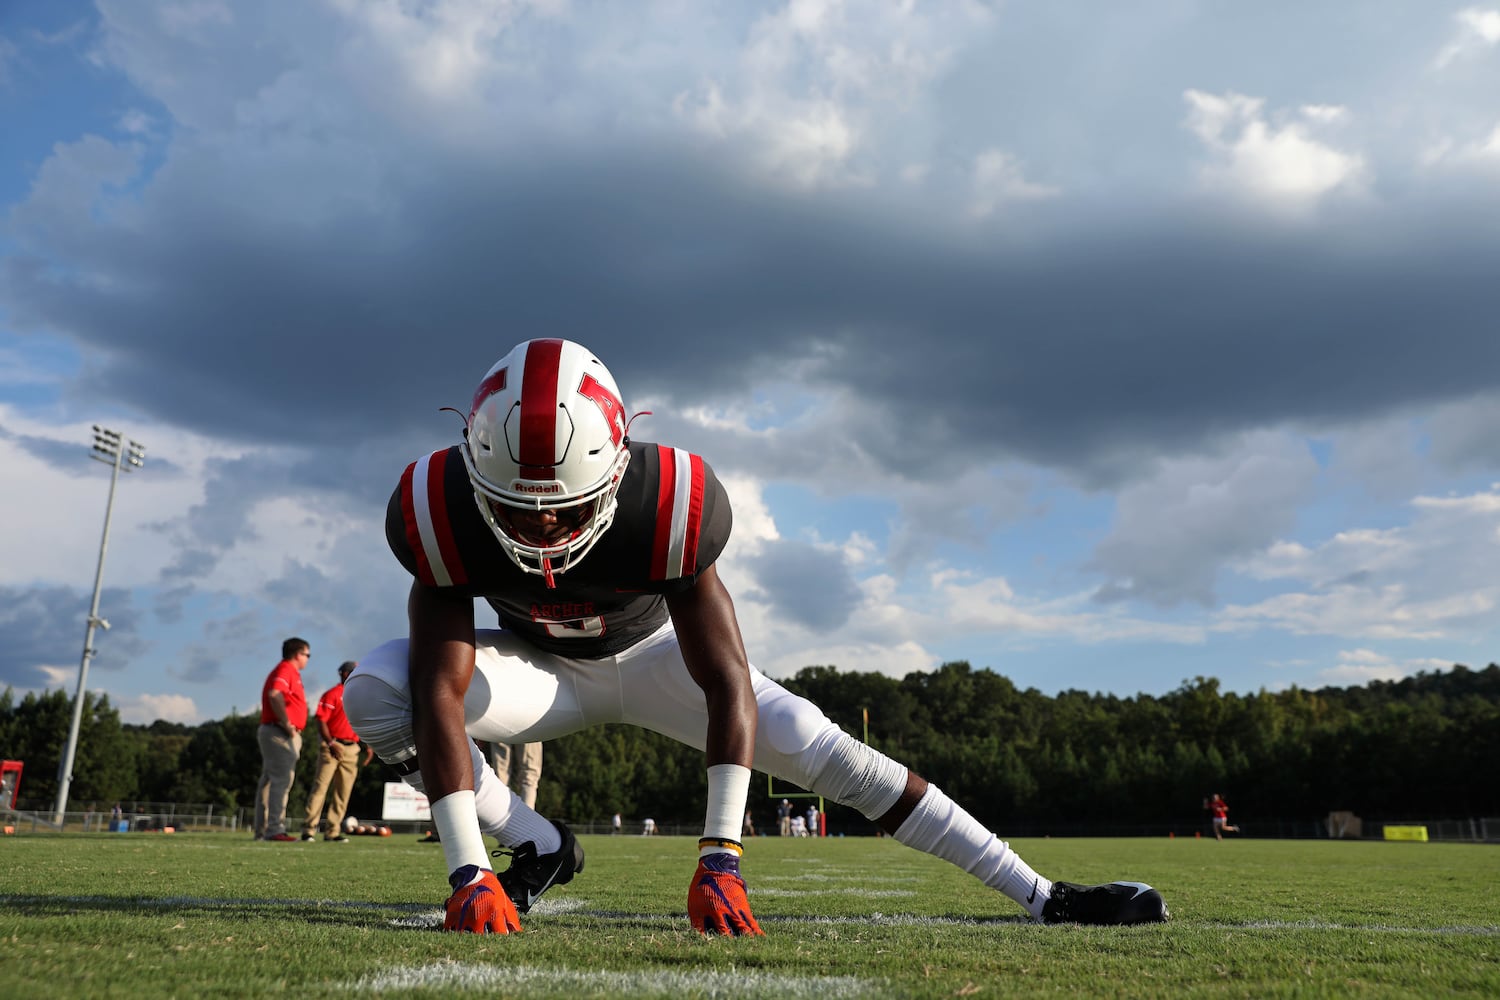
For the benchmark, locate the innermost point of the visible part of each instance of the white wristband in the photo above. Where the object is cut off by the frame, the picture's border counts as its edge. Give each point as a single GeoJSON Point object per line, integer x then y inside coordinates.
{"type": "Point", "coordinates": [728, 788]}
{"type": "Point", "coordinates": [457, 825]}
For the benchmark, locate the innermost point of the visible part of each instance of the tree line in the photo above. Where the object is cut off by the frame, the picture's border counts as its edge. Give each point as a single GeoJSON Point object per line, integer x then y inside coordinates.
{"type": "Point", "coordinates": [1422, 747]}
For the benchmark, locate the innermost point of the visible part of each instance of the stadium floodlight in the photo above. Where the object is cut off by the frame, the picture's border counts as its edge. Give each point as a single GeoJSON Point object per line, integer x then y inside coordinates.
{"type": "Point", "coordinates": [124, 455]}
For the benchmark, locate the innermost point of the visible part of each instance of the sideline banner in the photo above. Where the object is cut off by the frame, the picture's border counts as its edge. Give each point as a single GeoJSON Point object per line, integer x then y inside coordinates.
{"type": "Point", "coordinates": [404, 802]}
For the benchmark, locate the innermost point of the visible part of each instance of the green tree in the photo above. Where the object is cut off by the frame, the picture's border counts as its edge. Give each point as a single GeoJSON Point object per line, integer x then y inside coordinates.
{"type": "Point", "coordinates": [36, 731]}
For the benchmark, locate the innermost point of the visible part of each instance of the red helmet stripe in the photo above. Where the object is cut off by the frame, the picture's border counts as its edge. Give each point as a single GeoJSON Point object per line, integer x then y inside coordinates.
{"type": "Point", "coordinates": [539, 398]}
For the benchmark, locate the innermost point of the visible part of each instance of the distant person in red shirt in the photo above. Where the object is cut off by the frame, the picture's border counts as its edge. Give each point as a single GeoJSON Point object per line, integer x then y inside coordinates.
{"type": "Point", "coordinates": [338, 763]}
{"type": "Point", "coordinates": [283, 714]}
{"type": "Point", "coordinates": [1220, 811]}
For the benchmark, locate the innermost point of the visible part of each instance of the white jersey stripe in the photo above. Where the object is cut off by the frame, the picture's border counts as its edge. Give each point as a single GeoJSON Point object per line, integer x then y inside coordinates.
{"type": "Point", "coordinates": [682, 496]}
{"type": "Point", "coordinates": [423, 509]}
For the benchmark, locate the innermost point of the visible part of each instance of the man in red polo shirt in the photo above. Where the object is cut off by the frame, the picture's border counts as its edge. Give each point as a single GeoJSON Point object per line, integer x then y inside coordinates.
{"type": "Point", "coordinates": [283, 713]}
{"type": "Point", "coordinates": [338, 762]}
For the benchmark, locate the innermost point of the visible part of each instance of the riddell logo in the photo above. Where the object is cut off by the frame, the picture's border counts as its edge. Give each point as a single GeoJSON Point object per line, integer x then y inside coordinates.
{"type": "Point", "coordinates": [521, 487]}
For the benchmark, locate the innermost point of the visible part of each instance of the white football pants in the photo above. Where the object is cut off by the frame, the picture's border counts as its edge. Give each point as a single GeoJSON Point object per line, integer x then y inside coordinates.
{"type": "Point", "coordinates": [520, 694]}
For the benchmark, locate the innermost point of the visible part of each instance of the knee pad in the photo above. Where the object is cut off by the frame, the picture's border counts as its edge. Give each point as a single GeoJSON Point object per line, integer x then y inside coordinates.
{"type": "Point", "coordinates": [850, 772]}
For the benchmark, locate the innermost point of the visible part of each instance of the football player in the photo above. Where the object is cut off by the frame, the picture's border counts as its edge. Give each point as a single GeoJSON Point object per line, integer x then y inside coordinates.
{"type": "Point", "coordinates": [598, 554]}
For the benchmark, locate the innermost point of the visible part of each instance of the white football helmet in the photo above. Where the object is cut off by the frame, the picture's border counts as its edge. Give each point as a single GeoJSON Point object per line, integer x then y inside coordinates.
{"type": "Point", "coordinates": [545, 449]}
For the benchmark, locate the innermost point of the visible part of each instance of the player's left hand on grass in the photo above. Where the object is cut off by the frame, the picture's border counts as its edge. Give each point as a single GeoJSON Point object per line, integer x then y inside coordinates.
{"type": "Point", "coordinates": [717, 903]}
{"type": "Point", "coordinates": [481, 906]}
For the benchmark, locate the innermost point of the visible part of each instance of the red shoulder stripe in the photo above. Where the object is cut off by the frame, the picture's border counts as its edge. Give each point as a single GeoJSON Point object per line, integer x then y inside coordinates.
{"type": "Point", "coordinates": [679, 514]}
{"type": "Point", "coordinates": [665, 491]}
{"type": "Point", "coordinates": [694, 516]}
{"type": "Point", "coordinates": [442, 525]}
{"type": "Point", "coordinates": [424, 507]}
{"type": "Point", "coordinates": [409, 520]}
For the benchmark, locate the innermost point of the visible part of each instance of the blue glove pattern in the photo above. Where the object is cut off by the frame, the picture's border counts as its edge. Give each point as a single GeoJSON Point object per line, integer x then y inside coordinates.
{"type": "Point", "coordinates": [717, 903]}
{"type": "Point", "coordinates": [481, 907]}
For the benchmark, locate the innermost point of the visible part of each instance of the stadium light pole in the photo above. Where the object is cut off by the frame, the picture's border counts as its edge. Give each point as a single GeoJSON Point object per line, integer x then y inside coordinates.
{"type": "Point", "coordinates": [127, 456]}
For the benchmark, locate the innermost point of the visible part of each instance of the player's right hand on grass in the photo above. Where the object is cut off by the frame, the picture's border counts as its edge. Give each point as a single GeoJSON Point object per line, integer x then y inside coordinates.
{"type": "Point", "coordinates": [717, 903]}
{"type": "Point", "coordinates": [480, 907]}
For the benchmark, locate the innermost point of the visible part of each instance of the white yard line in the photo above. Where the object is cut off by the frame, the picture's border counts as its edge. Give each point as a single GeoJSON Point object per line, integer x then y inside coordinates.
{"type": "Point", "coordinates": [736, 985]}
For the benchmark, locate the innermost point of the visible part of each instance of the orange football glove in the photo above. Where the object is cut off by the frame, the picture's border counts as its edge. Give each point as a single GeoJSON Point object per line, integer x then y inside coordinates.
{"type": "Point", "coordinates": [716, 900]}
{"type": "Point", "coordinates": [480, 908]}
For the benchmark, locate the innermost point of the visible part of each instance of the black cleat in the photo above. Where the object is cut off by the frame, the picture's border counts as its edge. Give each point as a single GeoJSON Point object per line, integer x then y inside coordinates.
{"type": "Point", "coordinates": [1110, 903]}
{"type": "Point", "coordinates": [530, 875]}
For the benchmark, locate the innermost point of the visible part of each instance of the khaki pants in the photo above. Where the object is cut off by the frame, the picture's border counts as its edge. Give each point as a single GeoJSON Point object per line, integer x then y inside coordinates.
{"type": "Point", "coordinates": [278, 754]}
{"type": "Point", "coordinates": [519, 765]}
{"type": "Point", "coordinates": [337, 767]}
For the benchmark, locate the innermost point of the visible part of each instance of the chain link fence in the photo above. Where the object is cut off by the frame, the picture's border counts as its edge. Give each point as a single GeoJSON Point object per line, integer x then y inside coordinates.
{"type": "Point", "coordinates": [139, 817]}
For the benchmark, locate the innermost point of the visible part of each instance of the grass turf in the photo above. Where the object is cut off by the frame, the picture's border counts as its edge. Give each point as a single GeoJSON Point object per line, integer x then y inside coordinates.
{"type": "Point", "coordinates": [216, 914]}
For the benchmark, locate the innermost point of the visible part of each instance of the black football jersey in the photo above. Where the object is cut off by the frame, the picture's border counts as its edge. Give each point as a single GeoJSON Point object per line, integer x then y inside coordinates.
{"type": "Point", "coordinates": [671, 522]}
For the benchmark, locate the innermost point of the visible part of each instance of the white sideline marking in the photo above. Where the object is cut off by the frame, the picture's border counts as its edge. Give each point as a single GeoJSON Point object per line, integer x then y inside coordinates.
{"type": "Point", "coordinates": [558, 904]}
{"type": "Point", "coordinates": [852, 890]}
{"type": "Point", "coordinates": [851, 877]}
{"type": "Point", "coordinates": [424, 915]}
{"type": "Point", "coordinates": [433, 919]}
{"type": "Point", "coordinates": [735, 984]}
{"type": "Point", "coordinates": [219, 902]}
{"type": "Point", "coordinates": [878, 919]}
{"type": "Point", "coordinates": [1320, 925]}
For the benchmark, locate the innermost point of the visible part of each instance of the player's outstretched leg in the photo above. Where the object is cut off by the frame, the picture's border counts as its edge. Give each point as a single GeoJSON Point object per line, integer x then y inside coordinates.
{"type": "Point", "coordinates": [917, 813]}
{"type": "Point", "coordinates": [944, 829]}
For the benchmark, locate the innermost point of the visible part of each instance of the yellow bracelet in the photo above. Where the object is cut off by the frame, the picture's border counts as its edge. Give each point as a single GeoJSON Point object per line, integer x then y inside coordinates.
{"type": "Point", "coordinates": [733, 846]}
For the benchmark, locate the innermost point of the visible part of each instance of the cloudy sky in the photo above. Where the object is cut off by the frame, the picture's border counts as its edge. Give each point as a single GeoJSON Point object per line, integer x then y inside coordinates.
{"type": "Point", "coordinates": [1103, 345]}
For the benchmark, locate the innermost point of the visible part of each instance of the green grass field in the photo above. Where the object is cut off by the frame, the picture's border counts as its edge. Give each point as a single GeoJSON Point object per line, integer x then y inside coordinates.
{"type": "Point", "coordinates": [215, 915]}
